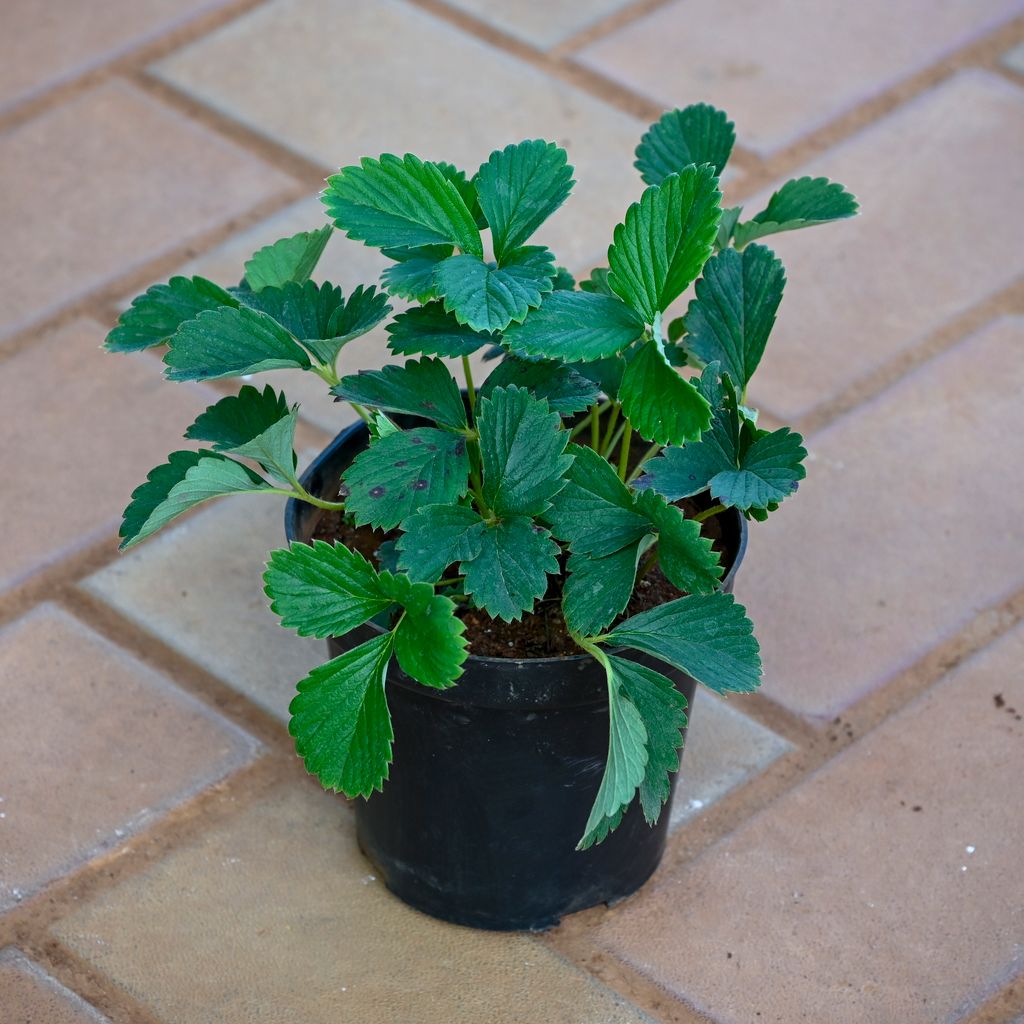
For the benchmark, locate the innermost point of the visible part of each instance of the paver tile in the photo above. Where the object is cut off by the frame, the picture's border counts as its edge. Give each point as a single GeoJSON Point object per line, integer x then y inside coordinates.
{"type": "Point", "coordinates": [198, 586]}
{"type": "Point", "coordinates": [463, 100]}
{"type": "Point", "coordinates": [1014, 59]}
{"type": "Point", "coordinates": [82, 428]}
{"type": "Point", "coordinates": [724, 749]}
{"type": "Point", "coordinates": [31, 996]}
{"type": "Point", "coordinates": [56, 42]}
{"type": "Point", "coordinates": [104, 182]}
{"type": "Point", "coordinates": [882, 889]}
{"type": "Point", "coordinates": [93, 745]}
{"type": "Point", "coordinates": [906, 527]}
{"type": "Point", "coordinates": [783, 69]}
{"type": "Point", "coordinates": [535, 21]}
{"type": "Point", "coordinates": [274, 916]}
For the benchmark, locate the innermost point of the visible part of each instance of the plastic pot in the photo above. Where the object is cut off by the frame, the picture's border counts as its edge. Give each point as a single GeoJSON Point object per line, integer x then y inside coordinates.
{"type": "Point", "coordinates": [492, 780]}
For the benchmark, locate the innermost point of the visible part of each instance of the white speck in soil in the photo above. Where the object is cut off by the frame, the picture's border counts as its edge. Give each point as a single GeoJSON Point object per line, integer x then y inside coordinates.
{"type": "Point", "coordinates": [970, 849]}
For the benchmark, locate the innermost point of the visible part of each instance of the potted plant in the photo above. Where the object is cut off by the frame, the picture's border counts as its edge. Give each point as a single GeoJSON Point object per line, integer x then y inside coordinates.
{"type": "Point", "coordinates": [520, 581]}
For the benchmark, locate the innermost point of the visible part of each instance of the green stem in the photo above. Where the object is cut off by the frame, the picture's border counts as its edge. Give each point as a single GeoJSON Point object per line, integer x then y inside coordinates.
{"type": "Point", "coordinates": [304, 495]}
{"type": "Point", "coordinates": [449, 581]}
{"type": "Point", "coordinates": [595, 427]}
{"type": "Point", "coordinates": [647, 564]}
{"type": "Point", "coordinates": [585, 422]}
{"type": "Point", "coordinates": [644, 459]}
{"type": "Point", "coordinates": [624, 451]}
{"type": "Point", "coordinates": [608, 444]}
{"type": "Point", "coordinates": [476, 482]}
{"type": "Point", "coordinates": [470, 390]}
{"type": "Point", "coordinates": [607, 452]}
{"type": "Point", "coordinates": [708, 513]}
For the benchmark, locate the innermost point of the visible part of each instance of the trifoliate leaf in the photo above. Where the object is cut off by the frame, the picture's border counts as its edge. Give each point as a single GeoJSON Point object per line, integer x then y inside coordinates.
{"type": "Point", "coordinates": [323, 589]}
{"type": "Point", "coordinates": [274, 448]}
{"type": "Point", "coordinates": [596, 590]}
{"type": "Point", "coordinates": [154, 316]}
{"type": "Point", "coordinates": [698, 134]}
{"type": "Point", "coordinates": [662, 709]}
{"type": "Point", "coordinates": [565, 389]}
{"type": "Point", "coordinates": [488, 297]}
{"type": "Point", "coordinates": [230, 342]}
{"type": "Point", "coordinates": [685, 557]}
{"type": "Point", "coordinates": [436, 537]}
{"type": "Point", "coordinates": [627, 760]}
{"type": "Point", "coordinates": [661, 405]}
{"type": "Point", "coordinates": [522, 450]}
{"type": "Point", "coordinates": [429, 642]}
{"type": "Point", "coordinates": [397, 202]}
{"type": "Point", "coordinates": [707, 636]}
{"type": "Point", "coordinates": [431, 331]}
{"type": "Point", "coordinates": [238, 418]}
{"type": "Point", "coordinates": [404, 472]}
{"type": "Point", "coordinates": [519, 187]}
{"type": "Point", "coordinates": [730, 319]}
{"type": "Point", "coordinates": [511, 570]}
{"type": "Point", "coordinates": [800, 203]}
{"type": "Point", "coordinates": [185, 480]}
{"type": "Point", "coordinates": [340, 719]}
{"type": "Point", "coordinates": [665, 239]}
{"type": "Point", "coordinates": [576, 327]}
{"type": "Point", "coordinates": [769, 471]}
{"type": "Point", "coordinates": [422, 387]}
{"type": "Point", "coordinates": [412, 275]}
{"type": "Point", "coordinates": [288, 260]}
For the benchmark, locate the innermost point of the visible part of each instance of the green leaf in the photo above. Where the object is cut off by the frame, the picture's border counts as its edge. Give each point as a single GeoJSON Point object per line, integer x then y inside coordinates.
{"type": "Point", "coordinates": [323, 589]}
{"type": "Point", "coordinates": [466, 189]}
{"type": "Point", "coordinates": [511, 570]}
{"type": "Point", "coordinates": [662, 709]}
{"type": "Point", "coordinates": [393, 202]}
{"type": "Point", "coordinates": [698, 134]}
{"type": "Point", "coordinates": [186, 479]}
{"type": "Point", "coordinates": [596, 590]}
{"type": "Point", "coordinates": [769, 471]}
{"type": "Point", "coordinates": [730, 319]}
{"type": "Point", "coordinates": [288, 260]}
{"type": "Point", "coordinates": [403, 472]}
{"type": "Point", "coordinates": [436, 537]}
{"type": "Point", "coordinates": [565, 389]}
{"type": "Point", "coordinates": [665, 239]}
{"type": "Point", "coordinates": [422, 387]}
{"type": "Point", "coordinates": [430, 330]}
{"type": "Point", "coordinates": [627, 759]}
{"type": "Point", "coordinates": [708, 636]}
{"type": "Point", "coordinates": [661, 405]}
{"type": "Point", "coordinates": [274, 448]}
{"type": "Point", "coordinates": [727, 225]}
{"type": "Point", "coordinates": [489, 298]}
{"type": "Point", "coordinates": [564, 281]}
{"type": "Point", "coordinates": [519, 187]}
{"type": "Point", "coordinates": [800, 203]}
{"type": "Point", "coordinates": [429, 642]}
{"type": "Point", "coordinates": [229, 342]}
{"type": "Point", "coordinates": [522, 450]}
{"type": "Point", "coordinates": [412, 275]}
{"type": "Point", "coordinates": [577, 327]}
{"type": "Point", "coordinates": [154, 316]}
{"type": "Point", "coordinates": [606, 374]}
{"type": "Point", "coordinates": [597, 283]}
{"type": "Point", "coordinates": [685, 557]}
{"type": "Point", "coordinates": [239, 418]}
{"type": "Point", "coordinates": [340, 719]}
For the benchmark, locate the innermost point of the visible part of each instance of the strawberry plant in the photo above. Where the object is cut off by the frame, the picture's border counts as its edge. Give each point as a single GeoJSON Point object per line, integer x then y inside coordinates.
{"type": "Point", "coordinates": [568, 463]}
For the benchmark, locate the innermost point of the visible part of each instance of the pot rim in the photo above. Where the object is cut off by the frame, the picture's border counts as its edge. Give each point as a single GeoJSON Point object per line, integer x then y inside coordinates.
{"type": "Point", "coordinates": [348, 434]}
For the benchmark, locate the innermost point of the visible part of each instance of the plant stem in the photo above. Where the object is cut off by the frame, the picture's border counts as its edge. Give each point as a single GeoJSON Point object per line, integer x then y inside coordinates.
{"type": "Point", "coordinates": [607, 452]}
{"type": "Point", "coordinates": [470, 390]}
{"type": "Point", "coordinates": [608, 443]}
{"type": "Point", "coordinates": [646, 457]}
{"type": "Point", "coordinates": [595, 427]}
{"type": "Point", "coordinates": [585, 422]}
{"type": "Point", "coordinates": [304, 495]}
{"type": "Point", "coordinates": [624, 451]}
{"type": "Point", "coordinates": [708, 513]}
{"type": "Point", "coordinates": [647, 564]}
{"type": "Point", "coordinates": [449, 581]}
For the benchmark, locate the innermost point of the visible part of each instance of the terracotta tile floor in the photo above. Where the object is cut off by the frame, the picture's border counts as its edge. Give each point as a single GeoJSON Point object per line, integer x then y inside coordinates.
{"type": "Point", "coordinates": [846, 845]}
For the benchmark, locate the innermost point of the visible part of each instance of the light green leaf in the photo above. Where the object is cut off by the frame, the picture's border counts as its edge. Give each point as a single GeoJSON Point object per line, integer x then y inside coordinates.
{"type": "Point", "coordinates": [662, 709]}
{"type": "Point", "coordinates": [707, 636]}
{"type": "Point", "coordinates": [154, 316]}
{"type": "Point", "coordinates": [431, 331]}
{"type": "Point", "coordinates": [698, 134]}
{"type": "Point", "coordinates": [511, 570]}
{"type": "Point", "coordinates": [800, 203]}
{"type": "Point", "coordinates": [519, 187]}
{"type": "Point", "coordinates": [398, 202]}
{"type": "Point", "coordinates": [422, 387]}
{"type": "Point", "coordinates": [665, 239]}
{"type": "Point", "coordinates": [663, 406]}
{"type": "Point", "coordinates": [288, 260]}
{"type": "Point", "coordinates": [727, 225]}
{"type": "Point", "coordinates": [438, 536]}
{"type": "Point", "coordinates": [323, 589]}
{"type": "Point", "coordinates": [685, 557]}
{"type": "Point", "coordinates": [596, 589]}
{"type": "Point", "coordinates": [403, 472]}
{"type": "Point", "coordinates": [429, 642]}
{"type": "Point", "coordinates": [412, 275]}
{"type": "Point", "coordinates": [577, 327]}
{"type": "Point", "coordinates": [340, 719]}
{"type": "Point", "coordinates": [230, 342]}
{"type": "Point", "coordinates": [239, 418]}
{"type": "Point", "coordinates": [565, 389]}
{"type": "Point", "coordinates": [730, 319]}
{"type": "Point", "coordinates": [489, 298]}
{"type": "Point", "coordinates": [186, 480]}
{"type": "Point", "coordinates": [522, 450]}
{"type": "Point", "coordinates": [274, 448]}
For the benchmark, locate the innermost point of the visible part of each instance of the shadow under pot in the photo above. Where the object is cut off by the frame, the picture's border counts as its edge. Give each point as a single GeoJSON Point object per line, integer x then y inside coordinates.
{"type": "Point", "coordinates": [493, 779]}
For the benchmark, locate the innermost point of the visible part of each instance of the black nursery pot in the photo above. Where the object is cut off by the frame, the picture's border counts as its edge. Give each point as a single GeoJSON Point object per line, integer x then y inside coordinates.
{"type": "Point", "coordinates": [493, 779]}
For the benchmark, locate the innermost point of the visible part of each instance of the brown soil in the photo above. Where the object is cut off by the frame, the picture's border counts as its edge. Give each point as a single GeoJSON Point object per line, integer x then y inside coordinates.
{"type": "Point", "coordinates": [542, 633]}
